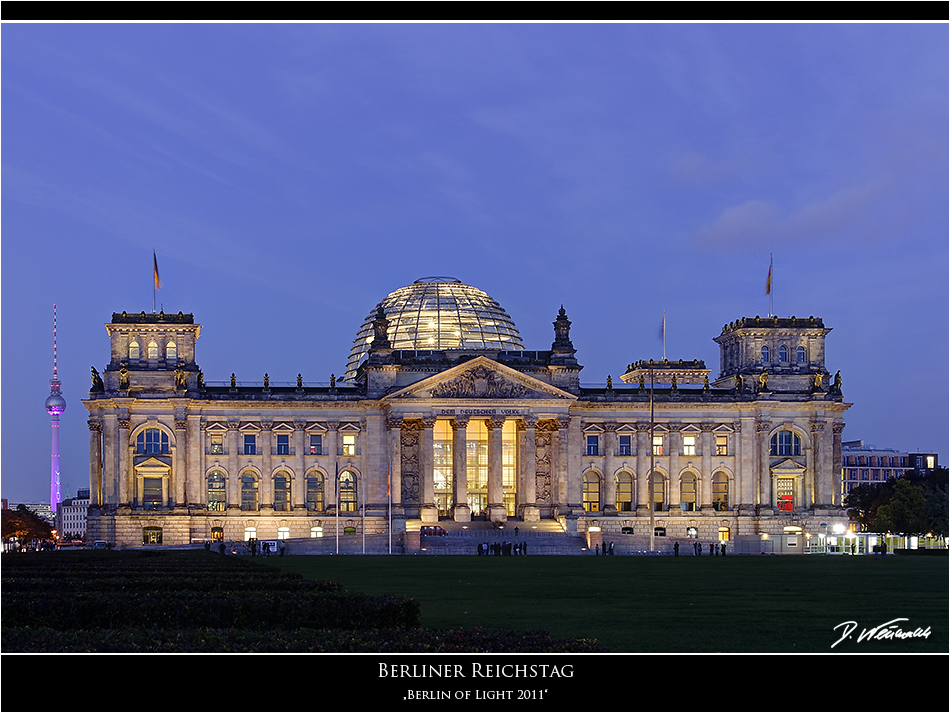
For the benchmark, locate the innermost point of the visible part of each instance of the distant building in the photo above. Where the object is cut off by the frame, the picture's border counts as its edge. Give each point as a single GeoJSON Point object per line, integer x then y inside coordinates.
{"type": "Point", "coordinates": [71, 516]}
{"type": "Point", "coordinates": [866, 464]}
{"type": "Point", "coordinates": [443, 415]}
{"type": "Point", "coordinates": [41, 509]}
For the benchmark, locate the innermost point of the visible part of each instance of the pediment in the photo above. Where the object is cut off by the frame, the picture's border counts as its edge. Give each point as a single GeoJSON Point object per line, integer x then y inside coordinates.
{"type": "Point", "coordinates": [481, 378]}
{"type": "Point", "coordinates": [788, 466]}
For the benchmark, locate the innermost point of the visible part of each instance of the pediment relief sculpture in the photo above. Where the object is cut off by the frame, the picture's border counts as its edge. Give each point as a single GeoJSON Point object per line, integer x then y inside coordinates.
{"type": "Point", "coordinates": [480, 383]}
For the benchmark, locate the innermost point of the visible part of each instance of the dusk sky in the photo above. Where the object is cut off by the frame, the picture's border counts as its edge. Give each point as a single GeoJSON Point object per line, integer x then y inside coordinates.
{"type": "Point", "coordinates": [290, 176]}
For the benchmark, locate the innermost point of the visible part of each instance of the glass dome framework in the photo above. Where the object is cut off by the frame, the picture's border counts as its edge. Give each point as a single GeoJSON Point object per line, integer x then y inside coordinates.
{"type": "Point", "coordinates": [438, 313]}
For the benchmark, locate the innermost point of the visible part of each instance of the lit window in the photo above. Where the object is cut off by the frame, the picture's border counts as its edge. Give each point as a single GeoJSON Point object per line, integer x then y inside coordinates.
{"type": "Point", "coordinates": [151, 535]}
{"type": "Point", "coordinates": [171, 351]}
{"type": "Point", "coordinates": [931, 462]}
{"type": "Point", "coordinates": [217, 534]}
{"type": "Point", "coordinates": [720, 491]}
{"type": "Point", "coordinates": [152, 493]}
{"type": "Point", "coordinates": [133, 349]}
{"type": "Point", "coordinates": [316, 445]}
{"type": "Point", "coordinates": [592, 445]}
{"type": "Point", "coordinates": [316, 531]}
{"type": "Point", "coordinates": [625, 449]}
{"type": "Point", "coordinates": [591, 492]}
{"type": "Point", "coordinates": [724, 534]}
{"type": "Point", "coordinates": [349, 444]}
{"type": "Point", "coordinates": [624, 491]}
{"type": "Point", "coordinates": [722, 446]}
{"type": "Point", "coordinates": [688, 492]}
{"type": "Point", "coordinates": [283, 533]}
{"type": "Point", "coordinates": [786, 443]}
{"type": "Point", "coordinates": [785, 493]}
{"type": "Point", "coordinates": [217, 491]}
{"type": "Point", "coordinates": [658, 445]}
{"type": "Point", "coordinates": [315, 492]}
{"type": "Point", "coordinates": [250, 444]}
{"type": "Point", "coordinates": [153, 350]}
{"type": "Point", "coordinates": [249, 492]}
{"type": "Point", "coordinates": [347, 491]}
{"type": "Point", "coordinates": [152, 441]}
{"type": "Point", "coordinates": [765, 355]}
{"type": "Point", "coordinates": [783, 354]}
{"type": "Point", "coordinates": [283, 444]}
{"type": "Point", "coordinates": [657, 492]}
{"type": "Point", "coordinates": [689, 445]}
{"type": "Point", "coordinates": [250, 533]}
{"type": "Point", "coordinates": [217, 443]}
{"type": "Point", "coordinates": [282, 491]}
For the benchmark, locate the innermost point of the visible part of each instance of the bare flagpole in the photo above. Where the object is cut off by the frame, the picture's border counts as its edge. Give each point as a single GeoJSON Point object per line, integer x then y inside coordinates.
{"type": "Point", "coordinates": [652, 472]}
{"type": "Point", "coordinates": [337, 508]}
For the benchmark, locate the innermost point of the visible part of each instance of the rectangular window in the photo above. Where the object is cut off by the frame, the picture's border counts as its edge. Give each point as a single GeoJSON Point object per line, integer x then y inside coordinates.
{"type": "Point", "coordinates": [785, 493]}
{"type": "Point", "coordinates": [283, 445]}
{"type": "Point", "coordinates": [316, 445]}
{"type": "Point", "coordinates": [658, 445]}
{"type": "Point", "coordinates": [592, 445]}
{"type": "Point", "coordinates": [152, 493]}
{"type": "Point", "coordinates": [721, 449]}
{"type": "Point", "coordinates": [349, 444]}
{"type": "Point", "coordinates": [250, 444]}
{"type": "Point", "coordinates": [217, 443]}
{"type": "Point", "coordinates": [689, 445]}
{"type": "Point", "coordinates": [625, 446]}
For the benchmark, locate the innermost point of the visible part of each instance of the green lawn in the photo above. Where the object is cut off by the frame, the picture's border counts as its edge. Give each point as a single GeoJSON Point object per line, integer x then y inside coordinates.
{"type": "Point", "coordinates": [666, 604]}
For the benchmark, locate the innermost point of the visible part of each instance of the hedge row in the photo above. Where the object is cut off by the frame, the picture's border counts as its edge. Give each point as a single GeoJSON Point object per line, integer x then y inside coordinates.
{"type": "Point", "coordinates": [152, 583]}
{"type": "Point", "coordinates": [238, 609]}
{"type": "Point", "coordinates": [207, 640]}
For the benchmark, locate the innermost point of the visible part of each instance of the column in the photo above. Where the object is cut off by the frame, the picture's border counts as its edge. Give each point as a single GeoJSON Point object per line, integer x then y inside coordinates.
{"type": "Point", "coordinates": [95, 463]}
{"type": "Point", "coordinates": [746, 467]}
{"type": "Point", "coordinates": [837, 495]}
{"type": "Point", "coordinates": [299, 488]}
{"type": "Point", "coordinates": [332, 482]}
{"type": "Point", "coordinates": [234, 477]}
{"type": "Point", "coordinates": [764, 495]}
{"type": "Point", "coordinates": [496, 503]}
{"type": "Point", "coordinates": [676, 447]}
{"type": "Point", "coordinates": [529, 462]}
{"type": "Point", "coordinates": [609, 495]}
{"type": "Point", "coordinates": [462, 512]}
{"type": "Point", "coordinates": [644, 449]}
{"type": "Point", "coordinates": [430, 513]}
{"type": "Point", "coordinates": [572, 441]}
{"type": "Point", "coordinates": [394, 424]}
{"type": "Point", "coordinates": [195, 492]}
{"type": "Point", "coordinates": [267, 482]}
{"type": "Point", "coordinates": [123, 451]}
{"type": "Point", "coordinates": [179, 464]}
{"type": "Point", "coordinates": [704, 483]}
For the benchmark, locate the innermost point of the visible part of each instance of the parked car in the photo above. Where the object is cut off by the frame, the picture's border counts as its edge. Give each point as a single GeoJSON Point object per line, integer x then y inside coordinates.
{"type": "Point", "coordinates": [432, 530]}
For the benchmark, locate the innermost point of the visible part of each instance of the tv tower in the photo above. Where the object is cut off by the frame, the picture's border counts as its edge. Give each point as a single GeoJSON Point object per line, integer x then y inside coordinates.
{"type": "Point", "coordinates": [55, 405]}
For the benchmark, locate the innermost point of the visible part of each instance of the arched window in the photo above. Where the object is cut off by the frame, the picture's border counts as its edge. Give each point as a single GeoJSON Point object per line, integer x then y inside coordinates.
{"type": "Point", "coordinates": [765, 355]}
{"type": "Point", "coordinates": [624, 491]}
{"type": "Point", "coordinates": [249, 491]}
{"type": "Point", "coordinates": [591, 492]}
{"type": "Point", "coordinates": [282, 491]}
{"type": "Point", "coordinates": [152, 441]}
{"type": "Point", "coordinates": [657, 491]}
{"type": "Point", "coordinates": [720, 491]}
{"type": "Point", "coordinates": [315, 492]}
{"type": "Point", "coordinates": [786, 443]}
{"type": "Point", "coordinates": [217, 491]}
{"type": "Point", "coordinates": [171, 351]}
{"type": "Point", "coordinates": [153, 349]}
{"type": "Point", "coordinates": [800, 355]}
{"type": "Point", "coordinates": [133, 349]}
{"type": "Point", "coordinates": [688, 491]}
{"type": "Point", "coordinates": [347, 491]}
{"type": "Point", "coordinates": [783, 354]}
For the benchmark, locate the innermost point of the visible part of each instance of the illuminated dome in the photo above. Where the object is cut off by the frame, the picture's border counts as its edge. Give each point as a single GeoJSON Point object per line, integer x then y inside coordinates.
{"type": "Point", "coordinates": [438, 313]}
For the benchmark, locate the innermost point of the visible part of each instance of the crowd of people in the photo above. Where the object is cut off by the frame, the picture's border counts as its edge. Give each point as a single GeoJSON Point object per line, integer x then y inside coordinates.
{"type": "Point", "coordinates": [502, 548]}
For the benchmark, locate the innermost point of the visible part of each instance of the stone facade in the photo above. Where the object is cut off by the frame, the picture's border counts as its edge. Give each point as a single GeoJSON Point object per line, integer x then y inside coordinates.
{"type": "Point", "coordinates": [422, 435]}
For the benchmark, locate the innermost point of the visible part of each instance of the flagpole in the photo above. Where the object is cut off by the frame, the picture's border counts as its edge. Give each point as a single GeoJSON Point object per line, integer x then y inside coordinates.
{"type": "Point", "coordinates": [337, 508]}
{"type": "Point", "coordinates": [664, 335]}
{"type": "Point", "coordinates": [652, 472]}
{"type": "Point", "coordinates": [389, 491]}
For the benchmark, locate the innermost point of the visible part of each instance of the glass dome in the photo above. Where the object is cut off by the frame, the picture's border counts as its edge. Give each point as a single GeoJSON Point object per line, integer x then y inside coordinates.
{"type": "Point", "coordinates": [438, 313]}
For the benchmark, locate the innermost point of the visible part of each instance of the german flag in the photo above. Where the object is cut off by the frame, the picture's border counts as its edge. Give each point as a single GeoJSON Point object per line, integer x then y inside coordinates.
{"type": "Point", "coordinates": [158, 282]}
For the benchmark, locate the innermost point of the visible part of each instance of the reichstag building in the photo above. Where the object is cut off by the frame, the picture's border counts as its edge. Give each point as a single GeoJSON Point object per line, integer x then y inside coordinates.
{"type": "Point", "coordinates": [443, 416]}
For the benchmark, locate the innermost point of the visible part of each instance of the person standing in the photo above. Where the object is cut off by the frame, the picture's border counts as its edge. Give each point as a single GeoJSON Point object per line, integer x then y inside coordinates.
{"type": "Point", "coordinates": [676, 549]}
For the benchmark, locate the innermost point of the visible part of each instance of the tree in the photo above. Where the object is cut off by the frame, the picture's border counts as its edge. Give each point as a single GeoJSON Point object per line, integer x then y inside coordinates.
{"type": "Point", "coordinates": [24, 525]}
{"type": "Point", "coordinates": [906, 512]}
{"type": "Point", "coordinates": [864, 500]}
